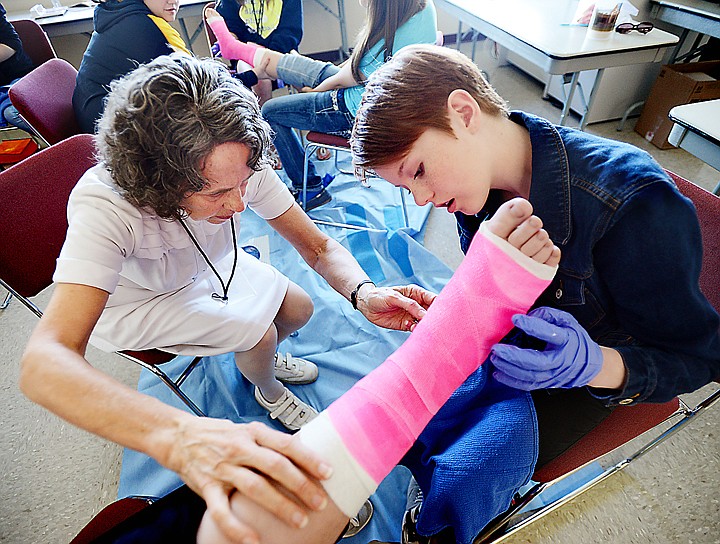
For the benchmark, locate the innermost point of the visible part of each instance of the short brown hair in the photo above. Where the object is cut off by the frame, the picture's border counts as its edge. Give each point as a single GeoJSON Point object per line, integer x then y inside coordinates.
{"type": "Point", "coordinates": [408, 95]}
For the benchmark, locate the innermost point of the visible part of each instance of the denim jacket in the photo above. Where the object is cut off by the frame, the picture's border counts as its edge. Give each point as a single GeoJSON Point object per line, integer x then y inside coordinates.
{"type": "Point", "coordinates": [631, 257]}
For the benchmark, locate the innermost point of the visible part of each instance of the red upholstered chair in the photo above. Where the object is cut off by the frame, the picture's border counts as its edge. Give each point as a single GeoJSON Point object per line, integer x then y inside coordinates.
{"type": "Point", "coordinates": [110, 516]}
{"type": "Point", "coordinates": [44, 99]}
{"type": "Point", "coordinates": [35, 42]}
{"type": "Point", "coordinates": [626, 422]}
{"type": "Point", "coordinates": [33, 217]}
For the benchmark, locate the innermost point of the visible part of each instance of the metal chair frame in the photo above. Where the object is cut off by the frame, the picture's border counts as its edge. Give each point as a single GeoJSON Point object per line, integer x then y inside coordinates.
{"type": "Point", "coordinates": [316, 140]}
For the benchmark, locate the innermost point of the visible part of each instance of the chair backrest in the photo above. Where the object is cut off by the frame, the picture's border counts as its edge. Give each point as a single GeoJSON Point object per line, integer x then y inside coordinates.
{"type": "Point", "coordinates": [33, 212]}
{"type": "Point", "coordinates": [628, 422]}
{"type": "Point", "coordinates": [109, 517]}
{"type": "Point", "coordinates": [44, 99]}
{"type": "Point", "coordinates": [35, 42]}
{"type": "Point", "coordinates": [209, 34]}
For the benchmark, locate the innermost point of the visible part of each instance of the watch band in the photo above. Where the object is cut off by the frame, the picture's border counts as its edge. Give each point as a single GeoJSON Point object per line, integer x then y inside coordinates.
{"type": "Point", "coordinates": [354, 294]}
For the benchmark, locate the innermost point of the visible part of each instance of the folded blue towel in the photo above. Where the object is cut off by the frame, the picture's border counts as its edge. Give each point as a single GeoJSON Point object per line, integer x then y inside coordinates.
{"type": "Point", "coordinates": [473, 456]}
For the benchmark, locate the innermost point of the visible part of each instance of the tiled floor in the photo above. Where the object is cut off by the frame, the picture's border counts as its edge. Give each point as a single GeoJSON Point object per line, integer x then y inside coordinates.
{"type": "Point", "coordinates": [55, 477]}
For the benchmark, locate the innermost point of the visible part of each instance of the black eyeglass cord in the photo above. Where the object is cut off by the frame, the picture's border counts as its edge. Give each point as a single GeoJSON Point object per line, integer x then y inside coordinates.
{"type": "Point", "coordinates": [226, 288]}
{"type": "Point", "coordinates": [258, 15]}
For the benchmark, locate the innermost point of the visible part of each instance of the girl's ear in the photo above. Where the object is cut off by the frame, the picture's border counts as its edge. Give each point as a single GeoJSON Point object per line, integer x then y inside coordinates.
{"type": "Point", "coordinates": [463, 106]}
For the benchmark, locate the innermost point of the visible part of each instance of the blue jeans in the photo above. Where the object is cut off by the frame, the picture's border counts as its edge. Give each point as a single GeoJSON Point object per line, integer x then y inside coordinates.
{"type": "Point", "coordinates": [324, 112]}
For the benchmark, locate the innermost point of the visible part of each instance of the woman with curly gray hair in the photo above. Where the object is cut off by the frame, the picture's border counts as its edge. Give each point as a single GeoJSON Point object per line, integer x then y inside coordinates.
{"type": "Point", "coordinates": [151, 260]}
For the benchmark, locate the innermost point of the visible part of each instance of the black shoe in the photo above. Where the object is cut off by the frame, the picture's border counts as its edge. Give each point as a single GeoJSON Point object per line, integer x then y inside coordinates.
{"type": "Point", "coordinates": [314, 198]}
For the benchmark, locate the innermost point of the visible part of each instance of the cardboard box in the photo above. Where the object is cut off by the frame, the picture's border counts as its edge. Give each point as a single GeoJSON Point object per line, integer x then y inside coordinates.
{"type": "Point", "coordinates": [676, 84]}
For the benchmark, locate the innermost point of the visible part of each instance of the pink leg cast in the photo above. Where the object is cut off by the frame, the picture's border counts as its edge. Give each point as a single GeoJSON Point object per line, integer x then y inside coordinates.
{"type": "Point", "coordinates": [230, 47]}
{"type": "Point", "coordinates": [365, 433]}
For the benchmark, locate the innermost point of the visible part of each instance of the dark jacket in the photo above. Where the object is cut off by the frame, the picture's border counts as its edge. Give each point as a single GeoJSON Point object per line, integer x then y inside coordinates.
{"type": "Point", "coordinates": [124, 37]}
{"type": "Point", "coordinates": [631, 258]}
{"type": "Point", "coordinates": [19, 64]}
{"type": "Point", "coordinates": [284, 38]}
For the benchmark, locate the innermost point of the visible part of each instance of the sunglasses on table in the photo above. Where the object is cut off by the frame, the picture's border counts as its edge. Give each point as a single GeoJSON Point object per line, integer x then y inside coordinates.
{"type": "Point", "coordinates": [642, 28]}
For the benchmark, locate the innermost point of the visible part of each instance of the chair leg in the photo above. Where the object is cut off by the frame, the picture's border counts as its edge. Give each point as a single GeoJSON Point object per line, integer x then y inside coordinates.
{"type": "Point", "coordinates": [309, 150]}
{"type": "Point", "coordinates": [6, 301]}
{"type": "Point", "coordinates": [188, 370]}
{"type": "Point", "coordinates": [167, 381]}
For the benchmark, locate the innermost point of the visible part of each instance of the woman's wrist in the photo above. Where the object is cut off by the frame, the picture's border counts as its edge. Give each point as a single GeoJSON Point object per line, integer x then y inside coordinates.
{"type": "Point", "coordinates": [358, 294]}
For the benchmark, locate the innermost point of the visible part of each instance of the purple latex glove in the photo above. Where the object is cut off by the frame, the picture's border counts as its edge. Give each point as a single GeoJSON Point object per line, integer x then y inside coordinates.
{"type": "Point", "coordinates": [570, 359]}
{"type": "Point", "coordinates": [215, 50]}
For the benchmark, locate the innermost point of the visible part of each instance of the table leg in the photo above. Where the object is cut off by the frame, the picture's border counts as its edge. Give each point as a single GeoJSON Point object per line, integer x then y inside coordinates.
{"type": "Point", "coordinates": [568, 100]}
{"type": "Point", "coordinates": [345, 53]}
{"type": "Point", "coordinates": [185, 34]}
{"type": "Point", "coordinates": [591, 98]}
{"type": "Point", "coordinates": [344, 50]}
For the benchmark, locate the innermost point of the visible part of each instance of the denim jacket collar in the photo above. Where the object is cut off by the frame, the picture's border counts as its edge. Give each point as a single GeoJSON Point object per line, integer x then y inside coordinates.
{"type": "Point", "coordinates": [550, 164]}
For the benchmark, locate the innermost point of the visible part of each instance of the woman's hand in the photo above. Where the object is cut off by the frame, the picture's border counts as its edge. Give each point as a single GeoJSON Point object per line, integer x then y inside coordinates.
{"type": "Point", "coordinates": [215, 457]}
{"type": "Point", "coordinates": [398, 308]}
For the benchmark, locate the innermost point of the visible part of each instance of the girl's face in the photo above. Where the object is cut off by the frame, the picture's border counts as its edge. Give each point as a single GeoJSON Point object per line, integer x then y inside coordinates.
{"type": "Point", "coordinates": [227, 173]}
{"type": "Point", "coordinates": [165, 9]}
{"type": "Point", "coordinates": [443, 170]}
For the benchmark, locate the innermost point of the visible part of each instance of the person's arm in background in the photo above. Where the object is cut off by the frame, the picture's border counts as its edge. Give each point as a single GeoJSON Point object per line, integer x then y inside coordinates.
{"type": "Point", "coordinates": [5, 52]}
{"type": "Point", "coordinates": [9, 40]}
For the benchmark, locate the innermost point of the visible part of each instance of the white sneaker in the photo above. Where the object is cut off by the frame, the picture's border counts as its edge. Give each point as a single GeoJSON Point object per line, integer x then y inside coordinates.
{"type": "Point", "coordinates": [288, 409]}
{"type": "Point", "coordinates": [294, 370]}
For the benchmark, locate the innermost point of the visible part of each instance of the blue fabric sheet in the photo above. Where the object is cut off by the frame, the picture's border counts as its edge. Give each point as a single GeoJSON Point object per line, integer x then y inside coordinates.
{"type": "Point", "coordinates": [345, 347]}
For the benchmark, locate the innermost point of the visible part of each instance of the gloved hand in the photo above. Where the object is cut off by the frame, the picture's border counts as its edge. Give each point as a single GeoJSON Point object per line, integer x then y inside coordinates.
{"type": "Point", "coordinates": [215, 50]}
{"type": "Point", "coordinates": [570, 359]}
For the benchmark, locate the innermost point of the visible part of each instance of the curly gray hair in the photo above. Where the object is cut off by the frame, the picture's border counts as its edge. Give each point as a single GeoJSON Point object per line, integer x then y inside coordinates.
{"type": "Point", "coordinates": [163, 119]}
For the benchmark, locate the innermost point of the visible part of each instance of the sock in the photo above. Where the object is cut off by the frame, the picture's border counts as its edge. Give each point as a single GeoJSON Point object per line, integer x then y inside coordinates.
{"type": "Point", "coordinates": [230, 47]}
{"type": "Point", "coordinates": [365, 432]}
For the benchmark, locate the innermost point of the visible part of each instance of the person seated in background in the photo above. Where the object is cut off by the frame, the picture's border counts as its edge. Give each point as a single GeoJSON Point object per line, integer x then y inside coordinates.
{"type": "Point", "coordinates": [151, 260]}
{"type": "Point", "coordinates": [274, 24]}
{"type": "Point", "coordinates": [14, 64]}
{"type": "Point", "coordinates": [331, 107]}
{"type": "Point", "coordinates": [126, 33]}
{"type": "Point", "coordinates": [624, 320]}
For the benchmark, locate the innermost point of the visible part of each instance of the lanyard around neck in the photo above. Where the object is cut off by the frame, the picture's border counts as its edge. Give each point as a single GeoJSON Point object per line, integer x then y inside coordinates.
{"type": "Point", "coordinates": [225, 288]}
